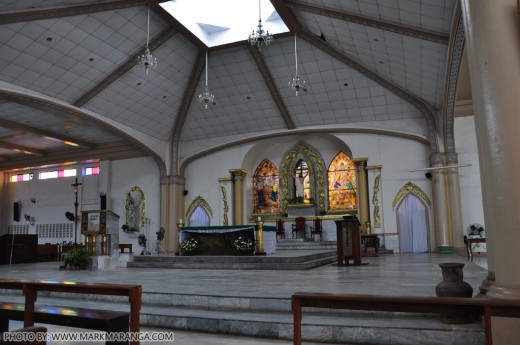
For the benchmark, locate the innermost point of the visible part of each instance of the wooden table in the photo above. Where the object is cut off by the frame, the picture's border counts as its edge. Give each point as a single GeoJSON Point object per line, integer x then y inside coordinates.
{"type": "Point", "coordinates": [470, 242]}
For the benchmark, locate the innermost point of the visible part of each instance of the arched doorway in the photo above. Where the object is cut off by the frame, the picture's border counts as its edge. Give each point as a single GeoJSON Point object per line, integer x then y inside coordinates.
{"type": "Point", "coordinates": [412, 220]}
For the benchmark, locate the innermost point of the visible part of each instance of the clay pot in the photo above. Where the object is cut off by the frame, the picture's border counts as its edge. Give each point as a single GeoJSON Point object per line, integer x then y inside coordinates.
{"type": "Point", "coordinates": [453, 284]}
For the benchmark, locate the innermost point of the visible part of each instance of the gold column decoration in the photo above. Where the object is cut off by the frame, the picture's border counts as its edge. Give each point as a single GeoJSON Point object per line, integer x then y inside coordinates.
{"type": "Point", "coordinates": [316, 169]}
{"type": "Point", "coordinates": [363, 203]}
{"type": "Point", "coordinates": [259, 237]}
{"type": "Point", "coordinates": [237, 179]}
{"type": "Point", "coordinates": [375, 201]}
{"type": "Point", "coordinates": [196, 202]}
{"type": "Point", "coordinates": [226, 208]}
{"type": "Point", "coordinates": [407, 188]}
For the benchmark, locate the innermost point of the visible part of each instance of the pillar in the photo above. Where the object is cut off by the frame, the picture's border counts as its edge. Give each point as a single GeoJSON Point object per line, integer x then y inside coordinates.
{"type": "Point", "coordinates": [493, 47]}
{"type": "Point", "coordinates": [237, 180]}
{"type": "Point", "coordinates": [455, 209]}
{"type": "Point", "coordinates": [443, 240]}
{"type": "Point", "coordinates": [172, 210]}
{"type": "Point", "coordinates": [495, 81]}
{"type": "Point", "coordinates": [362, 189]}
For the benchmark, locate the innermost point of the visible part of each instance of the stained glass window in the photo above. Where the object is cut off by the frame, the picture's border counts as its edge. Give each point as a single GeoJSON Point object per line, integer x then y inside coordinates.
{"type": "Point", "coordinates": [266, 188]}
{"type": "Point", "coordinates": [342, 183]}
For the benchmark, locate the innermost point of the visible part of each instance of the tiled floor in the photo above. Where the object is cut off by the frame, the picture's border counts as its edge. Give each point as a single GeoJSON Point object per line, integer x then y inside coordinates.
{"type": "Point", "coordinates": [390, 274]}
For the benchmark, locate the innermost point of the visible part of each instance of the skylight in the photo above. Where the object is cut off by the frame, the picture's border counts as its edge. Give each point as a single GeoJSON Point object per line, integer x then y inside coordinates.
{"type": "Point", "coordinates": [225, 21]}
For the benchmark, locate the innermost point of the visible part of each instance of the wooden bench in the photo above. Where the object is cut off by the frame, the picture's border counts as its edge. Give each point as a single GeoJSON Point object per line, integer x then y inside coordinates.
{"type": "Point", "coordinates": [101, 320]}
{"type": "Point", "coordinates": [476, 307]}
{"type": "Point", "coordinates": [31, 288]}
{"type": "Point", "coordinates": [123, 246]}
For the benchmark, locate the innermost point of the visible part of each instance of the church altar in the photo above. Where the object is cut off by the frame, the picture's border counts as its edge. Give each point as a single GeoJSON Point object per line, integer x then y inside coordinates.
{"type": "Point", "coordinates": [219, 240]}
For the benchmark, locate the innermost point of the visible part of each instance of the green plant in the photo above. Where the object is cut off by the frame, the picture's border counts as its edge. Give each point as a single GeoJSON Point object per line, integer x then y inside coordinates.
{"type": "Point", "coordinates": [243, 246]}
{"type": "Point", "coordinates": [77, 257]}
{"type": "Point", "coordinates": [189, 246]}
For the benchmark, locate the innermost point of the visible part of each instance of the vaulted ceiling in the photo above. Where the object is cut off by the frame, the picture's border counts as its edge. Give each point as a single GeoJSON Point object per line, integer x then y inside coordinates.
{"type": "Point", "coordinates": [70, 89]}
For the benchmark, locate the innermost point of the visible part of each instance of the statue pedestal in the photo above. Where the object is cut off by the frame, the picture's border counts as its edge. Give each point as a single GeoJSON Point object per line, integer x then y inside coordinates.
{"type": "Point", "coordinates": [301, 210]}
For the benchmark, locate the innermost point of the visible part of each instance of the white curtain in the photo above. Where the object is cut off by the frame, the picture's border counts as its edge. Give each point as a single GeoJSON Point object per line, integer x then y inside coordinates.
{"type": "Point", "coordinates": [199, 217]}
{"type": "Point", "coordinates": [413, 229]}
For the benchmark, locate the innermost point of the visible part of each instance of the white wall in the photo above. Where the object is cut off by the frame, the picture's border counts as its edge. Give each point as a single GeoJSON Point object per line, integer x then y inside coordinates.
{"type": "Point", "coordinates": [144, 173]}
{"type": "Point", "coordinates": [54, 197]}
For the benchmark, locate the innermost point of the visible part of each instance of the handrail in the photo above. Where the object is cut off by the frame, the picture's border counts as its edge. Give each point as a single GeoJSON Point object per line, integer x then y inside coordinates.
{"type": "Point", "coordinates": [30, 290]}
{"type": "Point", "coordinates": [486, 307]}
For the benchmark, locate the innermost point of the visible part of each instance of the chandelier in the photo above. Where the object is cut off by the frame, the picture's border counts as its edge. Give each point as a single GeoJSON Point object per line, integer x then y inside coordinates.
{"type": "Point", "coordinates": [146, 59]}
{"type": "Point", "coordinates": [296, 83]}
{"type": "Point", "coordinates": [259, 37]}
{"type": "Point", "coordinates": [206, 96]}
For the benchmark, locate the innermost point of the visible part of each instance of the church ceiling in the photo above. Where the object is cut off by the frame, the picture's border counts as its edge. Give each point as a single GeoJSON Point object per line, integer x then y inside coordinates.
{"type": "Point", "coordinates": [68, 74]}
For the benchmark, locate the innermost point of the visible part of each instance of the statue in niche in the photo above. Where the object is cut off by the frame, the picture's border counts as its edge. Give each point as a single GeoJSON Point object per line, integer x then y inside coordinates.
{"type": "Point", "coordinates": [134, 207]}
{"type": "Point", "coordinates": [301, 183]}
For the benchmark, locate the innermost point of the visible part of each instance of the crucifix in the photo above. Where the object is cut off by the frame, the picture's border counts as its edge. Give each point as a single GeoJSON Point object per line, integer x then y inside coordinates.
{"type": "Point", "coordinates": [76, 204]}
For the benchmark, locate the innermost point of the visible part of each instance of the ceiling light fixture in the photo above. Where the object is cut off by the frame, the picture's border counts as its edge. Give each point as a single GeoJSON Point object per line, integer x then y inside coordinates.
{"type": "Point", "coordinates": [206, 96]}
{"type": "Point", "coordinates": [146, 59]}
{"type": "Point", "coordinates": [259, 37]}
{"type": "Point", "coordinates": [296, 84]}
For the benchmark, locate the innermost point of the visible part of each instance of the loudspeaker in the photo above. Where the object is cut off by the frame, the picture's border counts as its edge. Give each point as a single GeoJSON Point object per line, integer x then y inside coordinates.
{"type": "Point", "coordinates": [103, 201]}
{"type": "Point", "coordinates": [428, 175]}
{"type": "Point", "coordinates": [185, 192]}
{"type": "Point", "coordinates": [16, 211]}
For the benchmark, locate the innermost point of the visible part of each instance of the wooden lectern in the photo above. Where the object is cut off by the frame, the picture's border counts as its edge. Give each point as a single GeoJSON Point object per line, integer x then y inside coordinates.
{"type": "Point", "coordinates": [348, 241]}
{"type": "Point", "coordinates": [101, 231]}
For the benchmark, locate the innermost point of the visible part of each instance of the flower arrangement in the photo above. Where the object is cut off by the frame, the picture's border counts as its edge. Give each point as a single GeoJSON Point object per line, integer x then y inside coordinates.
{"type": "Point", "coordinates": [243, 246]}
{"type": "Point", "coordinates": [189, 246]}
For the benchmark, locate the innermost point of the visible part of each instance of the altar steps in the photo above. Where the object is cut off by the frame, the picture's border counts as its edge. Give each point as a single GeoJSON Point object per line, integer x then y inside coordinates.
{"type": "Point", "coordinates": [282, 260]}
{"type": "Point", "coordinates": [304, 243]}
{"type": "Point", "coordinates": [271, 317]}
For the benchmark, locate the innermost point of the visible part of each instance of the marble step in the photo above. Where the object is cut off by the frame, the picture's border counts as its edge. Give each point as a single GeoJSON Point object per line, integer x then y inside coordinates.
{"type": "Point", "coordinates": [233, 317]}
{"type": "Point", "coordinates": [235, 262]}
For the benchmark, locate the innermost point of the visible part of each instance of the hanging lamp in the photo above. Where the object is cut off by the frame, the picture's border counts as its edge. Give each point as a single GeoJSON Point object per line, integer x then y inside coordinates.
{"type": "Point", "coordinates": [260, 37]}
{"type": "Point", "coordinates": [147, 59]}
{"type": "Point", "coordinates": [206, 97]}
{"type": "Point", "coordinates": [296, 83]}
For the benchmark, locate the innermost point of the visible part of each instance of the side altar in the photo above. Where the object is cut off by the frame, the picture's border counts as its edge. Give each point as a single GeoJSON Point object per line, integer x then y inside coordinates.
{"type": "Point", "coordinates": [223, 240]}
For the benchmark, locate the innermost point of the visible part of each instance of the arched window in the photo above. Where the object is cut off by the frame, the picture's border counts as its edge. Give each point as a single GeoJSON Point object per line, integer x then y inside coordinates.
{"type": "Point", "coordinates": [342, 183]}
{"type": "Point", "coordinates": [266, 188]}
{"type": "Point", "coordinates": [199, 217]}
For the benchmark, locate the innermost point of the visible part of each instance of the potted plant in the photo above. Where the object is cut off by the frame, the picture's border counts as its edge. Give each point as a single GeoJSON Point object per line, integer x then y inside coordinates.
{"type": "Point", "coordinates": [77, 258]}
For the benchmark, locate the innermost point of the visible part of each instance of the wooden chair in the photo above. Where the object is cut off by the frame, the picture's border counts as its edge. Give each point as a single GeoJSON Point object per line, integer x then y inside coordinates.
{"type": "Point", "coordinates": [280, 231]}
{"type": "Point", "coordinates": [298, 226]}
{"type": "Point", "coordinates": [316, 229]}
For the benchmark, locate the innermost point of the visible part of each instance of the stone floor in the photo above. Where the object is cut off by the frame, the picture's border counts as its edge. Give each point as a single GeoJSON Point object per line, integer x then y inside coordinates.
{"type": "Point", "coordinates": [390, 274]}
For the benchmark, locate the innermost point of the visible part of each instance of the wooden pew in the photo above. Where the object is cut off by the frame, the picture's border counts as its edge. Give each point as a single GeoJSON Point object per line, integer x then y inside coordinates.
{"type": "Point", "coordinates": [102, 320]}
{"type": "Point", "coordinates": [478, 307]}
{"type": "Point", "coordinates": [30, 290]}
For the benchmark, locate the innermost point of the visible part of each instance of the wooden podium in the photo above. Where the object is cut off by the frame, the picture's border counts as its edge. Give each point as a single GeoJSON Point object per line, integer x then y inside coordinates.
{"type": "Point", "coordinates": [348, 241]}
{"type": "Point", "coordinates": [101, 231]}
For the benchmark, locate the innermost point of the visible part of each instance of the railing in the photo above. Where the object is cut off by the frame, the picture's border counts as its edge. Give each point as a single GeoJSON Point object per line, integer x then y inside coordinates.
{"type": "Point", "coordinates": [30, 290]}
{"type": "Point", "coordinates": [426, 305]}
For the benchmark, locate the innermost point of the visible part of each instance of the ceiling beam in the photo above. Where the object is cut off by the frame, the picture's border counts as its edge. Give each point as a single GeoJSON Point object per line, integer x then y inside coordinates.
{"type": "Point", "coordinates": [271, 86]}
{"type": "Point", "coordinates": [112, 151]}
{"type": "Point", "coordinates": [66, 11]}
{"type": "Point", "coordinates": [130, 63]}
{"type": "Point", "coordinates": [287, 16]}
{"type": "Point", "coordinates": [375, 23]}
{"type": "Point", "coordinates": [45, 133]}
{"type": "Point", "coordinates": [189, 93]}
{"type": "Point", "coordinates": [19, 148]}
